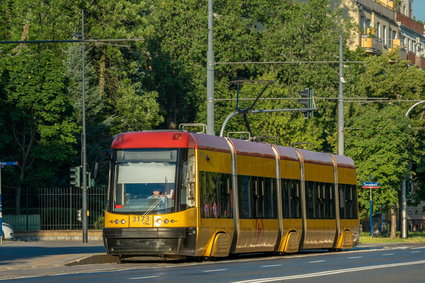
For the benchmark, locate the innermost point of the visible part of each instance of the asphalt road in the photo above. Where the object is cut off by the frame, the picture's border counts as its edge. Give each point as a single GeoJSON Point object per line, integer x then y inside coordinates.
{"type": "Point", "coordinates": [394, 263]}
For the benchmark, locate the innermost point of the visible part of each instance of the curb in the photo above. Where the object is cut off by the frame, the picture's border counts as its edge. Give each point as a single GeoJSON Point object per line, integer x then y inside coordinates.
{"type": "Point", "coordinates": [94, 259]}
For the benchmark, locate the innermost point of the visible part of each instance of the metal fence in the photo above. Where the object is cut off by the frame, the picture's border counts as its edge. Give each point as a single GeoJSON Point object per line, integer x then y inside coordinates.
{"type": "Point", "coordinates": [53, 208]}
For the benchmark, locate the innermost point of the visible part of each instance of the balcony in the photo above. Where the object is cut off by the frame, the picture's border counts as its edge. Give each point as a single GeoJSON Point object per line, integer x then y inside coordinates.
{"type": "Point", "coordinates": [387, 3]}
{"type": "Point", "coordinates": [381, 7]}
{"type": "Point", "coordinates": [397, 43]}
{"type": "Point", "coordinates": [371, 44]}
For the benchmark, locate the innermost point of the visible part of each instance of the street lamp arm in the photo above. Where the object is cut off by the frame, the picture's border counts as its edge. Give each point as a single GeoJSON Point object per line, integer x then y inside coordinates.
{"type": "Point", "coordinates": [413, 106]}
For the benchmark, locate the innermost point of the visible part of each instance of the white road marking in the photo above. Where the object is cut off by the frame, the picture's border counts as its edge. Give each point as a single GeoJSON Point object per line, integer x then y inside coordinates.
{"type": "Point", "coordinates": [144, 277]}
{"type": "Point", "coordinates": [354, 257]}
{"type": "Point", "coordinates": [214, 270]}
{"type": "Point", "coordinates": [330, 272]}
{"type": "Point", "coordinates": [316, 261]}
{"type": "Point", "coordinates": [388, 254]}
{"type": "Point", "coordinates": [272, 265]}
{"type": "Point", "coordinates": [420, 248]}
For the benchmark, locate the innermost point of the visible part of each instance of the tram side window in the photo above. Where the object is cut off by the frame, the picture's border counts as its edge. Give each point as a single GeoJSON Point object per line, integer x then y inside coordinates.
{"type": "Point", "coordinates": [263, 192]}
{"type": "Point", "coordinates": [291, 198]}
{"type": "Point", "coordinates": [330, 201]}
{"type": "Point", "coordinates": [244, 193]}
{"type": "Point", "coordinates": [225, 196]}
{"type": "Point", "coordinates": [347, 201]}
{"type": "Point", "coordinates": [270, 198]}
{"type": "Point", "coordinates": [257, 197]}
{"type": "Point", "coordinates": [215, 195]}
{"type": "Point", "coordinates": [311, 200]}
{"type": "Point", "coordinates": [320, 200]}
{"type": "Point", "coordinates": [257, 194]}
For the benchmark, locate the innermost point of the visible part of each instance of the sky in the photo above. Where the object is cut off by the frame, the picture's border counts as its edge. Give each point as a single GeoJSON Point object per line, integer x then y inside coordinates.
{"type": "Point", "coordinates": [419, 9]}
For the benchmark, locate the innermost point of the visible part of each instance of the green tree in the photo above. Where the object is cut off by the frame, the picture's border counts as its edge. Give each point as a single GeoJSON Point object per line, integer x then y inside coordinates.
{"type": "Point", "coordinates": [127, 104]}
{"type": "Point", "coordinates": [384, 142]}
{"type": "Point", "coordinates": [39, 126]}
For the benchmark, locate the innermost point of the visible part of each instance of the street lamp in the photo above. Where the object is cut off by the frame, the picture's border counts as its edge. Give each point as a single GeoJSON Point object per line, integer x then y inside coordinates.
{"type": "Point", "coordinates": [403, 188]}
{"type": "Point", "coordinates": [210, 72]}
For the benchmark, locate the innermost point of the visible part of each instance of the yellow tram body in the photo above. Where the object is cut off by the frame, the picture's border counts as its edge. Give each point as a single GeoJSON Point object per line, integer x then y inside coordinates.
{"type": "Point", "coordinates": [226, 196]}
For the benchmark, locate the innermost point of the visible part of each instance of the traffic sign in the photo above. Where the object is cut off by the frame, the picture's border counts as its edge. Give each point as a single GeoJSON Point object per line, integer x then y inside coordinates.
{"type": "Point", "coordinates": [370, 185]}
{"type": "Point", "coordinates": [7, 163]}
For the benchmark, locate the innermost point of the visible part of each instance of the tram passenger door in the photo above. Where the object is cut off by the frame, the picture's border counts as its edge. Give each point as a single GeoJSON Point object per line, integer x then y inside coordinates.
{"type": "Point", "coordinates": [321, 226]}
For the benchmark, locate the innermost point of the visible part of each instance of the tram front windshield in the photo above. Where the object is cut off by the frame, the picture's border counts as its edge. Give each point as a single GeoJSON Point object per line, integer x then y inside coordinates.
{"type": "Point", "coordinates": [145, 180]}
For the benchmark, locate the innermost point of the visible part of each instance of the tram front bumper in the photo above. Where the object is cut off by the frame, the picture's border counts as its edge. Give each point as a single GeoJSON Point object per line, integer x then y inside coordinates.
{"type": "Point", "coordinates": [149, 241]}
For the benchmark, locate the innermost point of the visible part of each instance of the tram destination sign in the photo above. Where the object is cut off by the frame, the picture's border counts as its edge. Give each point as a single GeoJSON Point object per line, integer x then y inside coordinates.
{"type": "Point", "coordinates": [370, 185]}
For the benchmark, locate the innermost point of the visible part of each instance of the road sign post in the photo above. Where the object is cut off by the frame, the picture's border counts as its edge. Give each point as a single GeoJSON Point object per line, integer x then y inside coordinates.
{"type": "Point", "coordinates": [2, 164]}
{"type": "Point", "coordinates": [370, 185]}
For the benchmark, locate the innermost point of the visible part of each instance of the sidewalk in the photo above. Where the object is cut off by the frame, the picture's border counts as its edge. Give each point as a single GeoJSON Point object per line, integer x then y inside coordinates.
{"type": "Point", "coordinates": [20, 259]}
{"type": "Point", "coordinates": [19, 256]}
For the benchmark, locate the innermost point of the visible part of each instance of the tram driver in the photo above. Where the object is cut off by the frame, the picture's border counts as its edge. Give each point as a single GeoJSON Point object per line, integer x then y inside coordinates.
{"type": "Point", "coordinates": [159, 199]}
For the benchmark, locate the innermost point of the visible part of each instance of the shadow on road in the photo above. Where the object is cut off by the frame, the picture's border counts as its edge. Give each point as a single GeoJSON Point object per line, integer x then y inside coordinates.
{"type": "Point", "coordinates": [13, 253]}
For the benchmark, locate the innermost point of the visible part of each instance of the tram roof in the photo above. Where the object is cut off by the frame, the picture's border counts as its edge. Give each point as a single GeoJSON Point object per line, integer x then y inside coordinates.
{"type": "Point", "coordinates": [252, 148]}
{"type": "Point", "coordinates": [344, 161]}
{"type": "Point", "coordinates": [316, 157]}
{"type": "Point", "coordinates": [153, 139]}
{"type": "Point", "coordinates": [287, 153]}
{"type": "Point", "coordinates": [180, 139]}
{"type": "Point", "coordinates": [209, 142]}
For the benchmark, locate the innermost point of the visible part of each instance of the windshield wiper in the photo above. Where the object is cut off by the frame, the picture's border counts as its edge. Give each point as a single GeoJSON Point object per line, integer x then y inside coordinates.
{"type": "Point", "coordinates": [154, 205]}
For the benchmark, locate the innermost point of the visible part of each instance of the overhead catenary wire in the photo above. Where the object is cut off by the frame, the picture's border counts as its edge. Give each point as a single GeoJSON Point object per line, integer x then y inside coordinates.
{"type": "Point", "coordinates": [288, 62]}
{"type": "Point", "coordinates": [346, 99]}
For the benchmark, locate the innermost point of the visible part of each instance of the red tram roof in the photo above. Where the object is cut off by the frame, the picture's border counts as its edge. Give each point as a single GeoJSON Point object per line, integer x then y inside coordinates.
{"type": "Point", "coordinates": [166, 139]}
{"type": "Point", "coordinates": [169, 139]}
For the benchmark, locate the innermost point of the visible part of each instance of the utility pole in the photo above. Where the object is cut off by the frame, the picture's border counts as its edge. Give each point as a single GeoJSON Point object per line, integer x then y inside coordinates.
{"type": "Point", "coordinates": [83, 134]}
{"type": "Point", "coordinates": [404, 209]}
{"type": "Point", "coordinates": [210, 72]}
{"type": "Point", "coordinates": [404, 233]}
{"type": "Point", "coordinates": [341, 100]}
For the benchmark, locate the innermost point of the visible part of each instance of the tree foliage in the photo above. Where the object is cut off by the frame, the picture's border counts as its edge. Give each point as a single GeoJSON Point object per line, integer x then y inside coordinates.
{"type": "Point", "coordinates": [159, 81]}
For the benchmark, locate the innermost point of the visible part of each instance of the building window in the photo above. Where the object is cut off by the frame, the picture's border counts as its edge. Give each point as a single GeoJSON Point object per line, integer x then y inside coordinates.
{"type": "Point", "coordinates": [384, 34]}
{"type": "Point", "coordinates": [378, 30]}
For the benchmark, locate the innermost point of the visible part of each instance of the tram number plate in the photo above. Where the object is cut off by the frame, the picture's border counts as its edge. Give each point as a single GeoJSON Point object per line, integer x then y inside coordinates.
{"type": "Point", "coordinates": [142, 220]}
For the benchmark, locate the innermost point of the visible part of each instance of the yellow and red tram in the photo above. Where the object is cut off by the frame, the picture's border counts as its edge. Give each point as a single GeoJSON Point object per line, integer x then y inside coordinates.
{"type": "Point", "coordinates": [222, 196]}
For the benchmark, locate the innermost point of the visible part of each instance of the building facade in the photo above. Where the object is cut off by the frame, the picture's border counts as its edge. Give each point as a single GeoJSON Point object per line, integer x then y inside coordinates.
{"type": "Point", "coordinates": [383, 25]}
